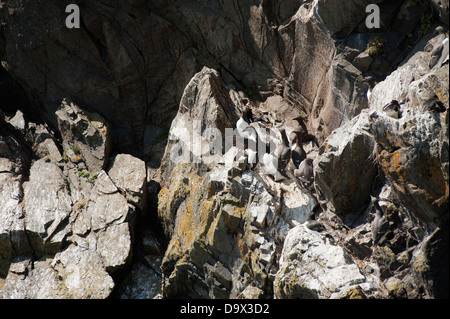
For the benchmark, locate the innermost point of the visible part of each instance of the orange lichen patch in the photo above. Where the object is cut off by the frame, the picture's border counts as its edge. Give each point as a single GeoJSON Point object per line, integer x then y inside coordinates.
{"type": "Point", "coordinates": [436, 189]}
{"type": "Point", "coordinates": [442, 95]}
{"type": "Point", "coordinates": [392, 164]}
{"type": "Point", "coordinates": [241, 244]}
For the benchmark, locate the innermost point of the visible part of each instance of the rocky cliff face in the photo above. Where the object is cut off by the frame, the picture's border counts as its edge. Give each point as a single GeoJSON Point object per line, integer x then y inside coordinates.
{"type": "Point", "coordinates": [93, 203]}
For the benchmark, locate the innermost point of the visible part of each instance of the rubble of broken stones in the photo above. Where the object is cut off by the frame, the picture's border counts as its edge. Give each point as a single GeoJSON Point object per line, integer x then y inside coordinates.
{"type": "Point", "coordinates": [68, 210]}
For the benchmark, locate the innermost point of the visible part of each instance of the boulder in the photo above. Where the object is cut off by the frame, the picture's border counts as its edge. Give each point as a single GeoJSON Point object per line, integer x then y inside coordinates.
{"type": "Point", "coordinates": [86, 135]}
{"type": "Point", "coordinates": [129, 174]}
{"type": "Point", "coordinates": [48, 205]}
{"type": "Point", "coordinates": [311, 267]}
{"type": "Point", "coordinates": [344, 169]}
{"type": "Point", "coordinates": [13, 238]}
{"type": "Point", "coordinates": [110, 217]}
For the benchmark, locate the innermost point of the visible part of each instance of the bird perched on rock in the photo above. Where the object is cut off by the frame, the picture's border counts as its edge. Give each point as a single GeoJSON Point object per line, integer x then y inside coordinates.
{"type": "Point", "coordinates": [392, 109]}
{"type": "Point", "coordinates": [433, 104]}
{"type": "Point", "coordinates": [371, 82]}
{"type": "Point", "coordinates": [312, 224]}
{"type": "Point", "coordinates": [275, 163]}
{"type": "Point", "coordinates": [298, 154]}
{"type": "Point", "coordinates": [302, 131]}
{"type": "Point", "coordinates": [305, 172]}
{"type": "Point", "coordinates": [270, 162]}
{"type": "Point", "coordinates": [283, 151]}
{"type": "Point", "coordinates": [251, 149]}
{"type": "Point", "coordinates": [243, 122]}
{"type": "Point", "coordinates": [379, 224]}
{"type": "Point", "coordinates": [440, 49]}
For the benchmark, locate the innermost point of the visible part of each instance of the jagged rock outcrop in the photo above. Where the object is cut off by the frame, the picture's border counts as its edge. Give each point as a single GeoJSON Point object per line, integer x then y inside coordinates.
{"type": "Point", "coordinates": [66, 231]}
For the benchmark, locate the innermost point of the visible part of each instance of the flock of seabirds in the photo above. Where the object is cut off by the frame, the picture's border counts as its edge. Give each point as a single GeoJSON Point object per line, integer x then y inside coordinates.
{"type": "Point", "coordinates": [277, 163]}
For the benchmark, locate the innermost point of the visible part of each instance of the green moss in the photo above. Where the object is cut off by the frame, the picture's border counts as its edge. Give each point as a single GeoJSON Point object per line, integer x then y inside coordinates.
{"type": "Point", "coordinates": [248, 92]}
{"type": "Point", "coordinates": [427, 16]}
{"type": "Point", "coordinates": [75, 149]}
{"type": "Point", "coordinates": [84, 174]}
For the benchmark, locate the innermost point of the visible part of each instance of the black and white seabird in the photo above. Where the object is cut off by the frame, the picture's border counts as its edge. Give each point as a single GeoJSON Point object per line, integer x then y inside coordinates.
{"type": "Point", "coordinates": [440, 49]}
{"type": "Point", "coordinates": [275, 163]}
{"type": "Point", "coordinates": [313, 224]}
{"type": "Point", "coordinates": [305, 172]}
{"type": "Point", "coordinates": [243, 122]}
{"type": "Point", "coordinates": [270, 162]}
{"type": "Point", "coordinates": [371, 82]}
{"type": "Point", "coordinates": [298, 153]}
{"type": "Point", "coordinates": [302, 131]}
{"type": "Point", "coordinates": [379, 224]}
{"type": "Point", "coordinates": [433, 105]}
{"type": "Point", "coordinates": [251, 149]}
{"type": "Point", "coordinates": [392, 109]}
{"type": "Point", "coordinates": [283, 151]}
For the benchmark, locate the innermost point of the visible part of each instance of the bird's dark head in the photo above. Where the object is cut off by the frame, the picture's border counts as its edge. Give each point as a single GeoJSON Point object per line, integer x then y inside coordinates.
{"type": "Point", "coordinates": [371, 81]}
{"type": "Point", "coordinates": [300, 119]}
{"type": "Point", "coordinates": [247, 114]}
{"type": "Point", "coordinates": [393, 105]}
{"type": "Point", "coordinates": [439, 30]}
{"type": "Point", "coordinates": [311, 216]}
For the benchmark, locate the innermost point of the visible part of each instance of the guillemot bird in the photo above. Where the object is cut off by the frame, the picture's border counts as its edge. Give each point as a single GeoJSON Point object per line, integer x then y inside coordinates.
{"type": "Point", "coordinates": [433, 104]}
{"type": "Point", "coordinates": [371, 83]}
{"type": "Point", "coordinates": [305, 172]}
{"type": "Point", "coordinates": [392, 109]}
{"type": "Point", "coordinates": [243, 122]}
{"type": "Point", "coordinates": [270, 162]}
{"type": "Point", "coordinates": [251, 149]}
{"type": "Point", "coordinates": [298, 153]}
{"type": "Point", "coordinates": [283, 151]}
{"type": "Point", "coordinates": [440, 49]}
{"type": "Point", "coordinates": [275, 163]}
{"type": "Point", "coordinates": [379, 224]}
{"type": "Point", "coordinates": [312, 224]}
{"type": "Point", "coordinates": [302, 132]}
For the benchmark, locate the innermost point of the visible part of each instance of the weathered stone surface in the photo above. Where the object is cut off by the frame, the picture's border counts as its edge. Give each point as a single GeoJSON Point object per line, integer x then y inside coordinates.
{"type": "Point", "coordinates": [129, 174]}
{"type": "Point", "coordinates": [413, 151]}
{"type": "Point", "coordinates": [311, 267]}
{"type": "Point", "coordinates": [13, 238]}
{"type": "Point", "coordinates": [87, 135]}
{"type": "Point", "coordinates": [344, 170]}
{"type": "Point", "coordinates": [47, 207]}
{"type": "Point", "coordinates": [109, 216]}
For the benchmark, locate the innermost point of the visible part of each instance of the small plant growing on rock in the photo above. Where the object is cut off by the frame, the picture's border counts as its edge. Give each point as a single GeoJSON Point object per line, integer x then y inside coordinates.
{"type": "Point", "coordinates": [84, 174]}
{"type": "Point", "coordinates": [75, 149]}
{"type": "Point", "coordinates": [92, 178]}
{"type": "Point", "coordinates": [375, 45]}
{"type": "Point", "coordinates": [248, 92]}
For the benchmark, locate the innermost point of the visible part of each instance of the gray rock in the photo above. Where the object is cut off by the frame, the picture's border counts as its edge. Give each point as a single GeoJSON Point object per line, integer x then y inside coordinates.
{"type": "Point", "coordinates": [87, 135]}
{"type": "Point", "coordinates": [13, 238]}
{"type": "Point", "coordinates": [362, 61]}
{"type": "Point", "coordinates": [311, 267]}
{"type": "Point", "coordinates": [47, 207]}
{"type": "Point", "coordinates": [345, 169]}
{"type": "Point", "coordinates": [129, 174]}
